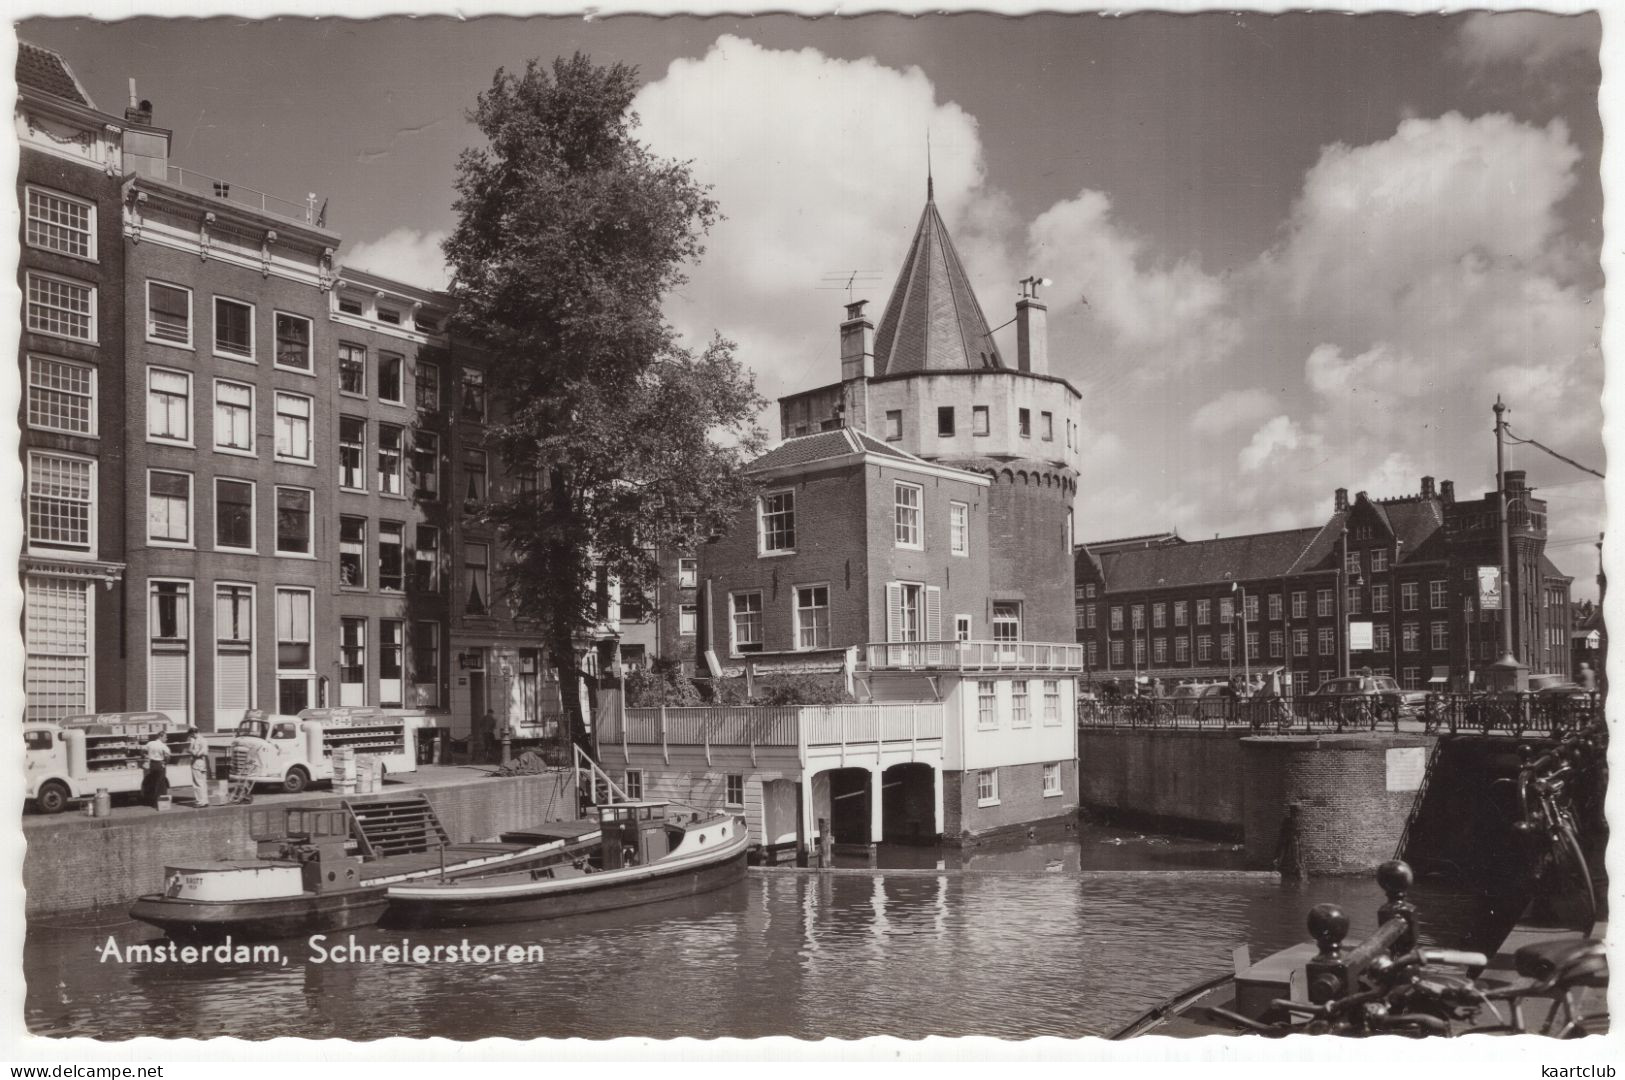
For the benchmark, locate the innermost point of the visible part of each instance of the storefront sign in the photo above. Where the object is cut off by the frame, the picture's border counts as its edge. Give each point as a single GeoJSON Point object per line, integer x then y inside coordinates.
{"type": "Point", "coordinates": [1489, 588]}
{"type": "Point", "coordinates": [1360, 637]}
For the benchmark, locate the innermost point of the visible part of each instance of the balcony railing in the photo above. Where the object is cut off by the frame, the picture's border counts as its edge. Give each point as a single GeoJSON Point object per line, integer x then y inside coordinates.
{"type": "Point", "coordinates": [787, 726]}
{"type": "Point", "coordinates": [981, 656]}
{"type": "Point", "coordinates": [308, 211]}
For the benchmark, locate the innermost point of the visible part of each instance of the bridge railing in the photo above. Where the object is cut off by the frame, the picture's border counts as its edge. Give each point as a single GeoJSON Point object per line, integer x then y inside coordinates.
{"type": "Point", "coordinates": [1490, 714]}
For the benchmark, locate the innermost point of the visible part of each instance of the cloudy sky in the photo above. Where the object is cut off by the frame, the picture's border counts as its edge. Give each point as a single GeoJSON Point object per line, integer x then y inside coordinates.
{"type": "Point", "coordinates": [1291, 253]}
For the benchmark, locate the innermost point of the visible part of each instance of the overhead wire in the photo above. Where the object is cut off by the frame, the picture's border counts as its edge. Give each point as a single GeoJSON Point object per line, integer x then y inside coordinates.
{"type": "Point", "coordinates": [1554, 453]}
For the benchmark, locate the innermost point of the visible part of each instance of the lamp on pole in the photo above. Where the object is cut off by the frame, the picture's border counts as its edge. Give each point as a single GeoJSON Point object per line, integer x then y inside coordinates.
{"type": "Point", "coordinates": [1509, 673]}
{"type": "Point", "coordinates": [1246, 667]}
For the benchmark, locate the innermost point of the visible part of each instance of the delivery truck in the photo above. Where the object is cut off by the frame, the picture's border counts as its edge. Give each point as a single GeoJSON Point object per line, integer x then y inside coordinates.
{"type": "Point", "coordinates": [74, 757]}
{"type": "Point", "coordinates": [294, 752]}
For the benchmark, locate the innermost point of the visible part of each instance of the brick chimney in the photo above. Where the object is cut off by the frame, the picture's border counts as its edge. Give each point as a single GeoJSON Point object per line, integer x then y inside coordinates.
{"type": "Point", "coordinates": [857, 344]}
{"type": "Point", "coordinates": [138, 112]}
{"type": "Point", "coordinates": [1447, 490]}
{"type": "Point", "coordinates": [1032, 335]}
{"type": "Point", "coordinates": [1340, 500]}
{"type": "Point", "coordinates": [1427, 487]}
{"type": "Point", "coordinates": [857, 366]}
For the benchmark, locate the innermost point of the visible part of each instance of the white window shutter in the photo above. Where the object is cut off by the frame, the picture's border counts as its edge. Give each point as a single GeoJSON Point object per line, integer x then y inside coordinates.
{"type": "Point", "coordinates": [933, 623]}
{"type": "Point", "coordinates": [232, 679]}
{"type": "Point", "coordinates": [168, 675]}
{"type": "Point", "coordinates": [894, 620]}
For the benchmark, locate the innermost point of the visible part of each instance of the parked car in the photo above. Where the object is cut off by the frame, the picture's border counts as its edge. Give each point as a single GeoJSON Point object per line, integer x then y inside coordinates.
{"type": "Point", "coordinates": [1555, 686]}
{"type": "Point", "coordinates": [1197, 699]}
{"type": "Point", "coordinates": [1382, 692]}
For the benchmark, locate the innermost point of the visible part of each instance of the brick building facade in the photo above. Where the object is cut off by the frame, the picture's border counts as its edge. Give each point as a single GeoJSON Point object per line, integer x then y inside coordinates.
{"type": "Point", "coordinates": [1386, 584]}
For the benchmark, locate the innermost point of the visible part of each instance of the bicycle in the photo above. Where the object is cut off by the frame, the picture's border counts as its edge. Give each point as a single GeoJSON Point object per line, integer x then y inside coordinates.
{"type": "Point", "coordinates": [1546, 824]}
{"type": "Point", "coordinates": [1560, 971]}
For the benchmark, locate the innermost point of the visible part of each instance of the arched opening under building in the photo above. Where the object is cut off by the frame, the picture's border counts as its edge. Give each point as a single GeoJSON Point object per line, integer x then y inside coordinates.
{"type": "Point", "coordinates": [849, 796]}
{"type": "Point", "coordinates": [908, 804]}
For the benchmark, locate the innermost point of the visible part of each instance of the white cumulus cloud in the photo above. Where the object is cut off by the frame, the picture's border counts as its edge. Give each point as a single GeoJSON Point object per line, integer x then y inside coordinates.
{"type": "Point", "coordinates": [1233, 409]}
{"type": "Point", "coordinates": [1527, 38]}
{"type": "Point", "coordinates": [406, 255]}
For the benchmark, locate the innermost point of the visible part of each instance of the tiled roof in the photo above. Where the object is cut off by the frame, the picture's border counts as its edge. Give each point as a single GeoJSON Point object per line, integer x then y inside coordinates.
{"type": "Point", "coordinates": [1549, 568]}
{"type": "Point", "coordinates": [1243, 558]}
{"type": "Point", "coordinates": [805, 448]}
{"type": "Point", "coordinates": [1321, 549]}
{"type": "Point", "coordinates": [41, 69]}
{"type": "Point", "coordinates": [932, 321]}
{"type": "Point", "coordinates": [1100, 547]}
{"type": "Point", "coordinates": [1414, 521]}
{"type": "Point", "coordinates": [873, 445]}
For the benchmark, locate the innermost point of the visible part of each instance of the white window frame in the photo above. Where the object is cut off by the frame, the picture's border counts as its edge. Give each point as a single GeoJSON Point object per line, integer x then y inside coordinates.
{"type": "Point", "coordinates": [92, 503]}
{"type": "Point", "coordinates": [345, 444]}
{"type": "Point", "coordinates": [987, 705]}
{"type": "Point", "coordinates": [191, 316]}
{"type": "Point", "coordinates": [366, 547]}
{"type": "Point", "coordinates": [419, 369]}
{"type": "Point", "coordinates": [398, 700]}
{"type": "Point", "coordinates": [412, 647]}
{"type": "Point", "coordinates": [688, 572]}
{"type": "Point", "coordinates": [191, 642]}
{"type": "Point", "coordinates": [166, 440]}
{"type": "Point", "coordinates": [91, 324]}
{"type": "Point", "coordinates": [1021, 712]}
{"type": "Point", "coordinates": [688, 616]}
{"type": "Point", "coordinates": [253, 641]}
{"type": "Point", "coordinates": [306, 674]}
{"type": "Point", "coordinates": [1410, 598]}
{"type": "Point", "coordinates": [1438, 595]}
{"type": "Point", "coordinates": [310, 525]}
{"type": "Point", "coordinates": [733, 622]}
{"type": "Point", "coordinates": [94, 412]}
{"type": "Point", "coordinates": [894, 425]}
{"type": "Point", "coordinates": [253, 515]}
{"type": "Point", "coordinates": [1052, 779]}
{"type": "Point", "coordinates": [1007, 619]}
{"type": "Point", "coordinates": [987, 780]}
{"type": "Point", "coordinates": [310, 344]}
{"type": "Point", "coordinates": [1052, 701]}
{"type": "Point", "coordinates": [796, 610]}
{"type": "Point", "coordinates": [763, 533]}
{"type": "Point", "coordinates": [191, 511]}
{"type": "Point", "coordinates": [379, 527]}
{"type": "Point", "coordinates": [632, 783]}
{"type": "Point", "coordinates": [728, 790]}
{"type": "Point", "coordinates": [30, 218]}
{"type": "Point", "coordinates": [310, 428]}
{"type": "Point", "coordinates": [902, 527]}
{"type": "Point", "coordinates": [345, 623]}
{"type": "Point", "coordinates": [362, 349]}
{"type": "Point", "coordinates": [959, 529]}
{"type": "Point", "coordinates": [961, 627]}
{"type": "Point", "coordinates": [436, 583]}
{"type": "Point", "coordinates": [252, 449]}
{"type": "Point", "coordinates": [253, 331]}
{"type": "Point", "coordinates": [378, 378]}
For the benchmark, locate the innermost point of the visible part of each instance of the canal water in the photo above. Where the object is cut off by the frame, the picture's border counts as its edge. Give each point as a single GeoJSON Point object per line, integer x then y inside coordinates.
{"type": "Point", "coordinates": [1069, 938]}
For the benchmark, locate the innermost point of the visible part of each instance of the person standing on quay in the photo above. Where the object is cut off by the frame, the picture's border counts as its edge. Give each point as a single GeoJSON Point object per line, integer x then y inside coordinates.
{"type": "Point", "coordinates": [1289, 851]}
{"type": "Point", "coordinates": [199, 750]}
{"type": "Point", "coordinates": [155, 784]}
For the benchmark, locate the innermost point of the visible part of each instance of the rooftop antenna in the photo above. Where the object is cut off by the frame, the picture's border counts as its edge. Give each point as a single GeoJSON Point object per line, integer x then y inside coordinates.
{"type": "Point", "coordinates": [849, 280]}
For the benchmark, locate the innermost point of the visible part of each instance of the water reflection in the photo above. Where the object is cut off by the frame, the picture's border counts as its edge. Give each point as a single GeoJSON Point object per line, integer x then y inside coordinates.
{"type": "Point", "coordinates": [1040, 947]}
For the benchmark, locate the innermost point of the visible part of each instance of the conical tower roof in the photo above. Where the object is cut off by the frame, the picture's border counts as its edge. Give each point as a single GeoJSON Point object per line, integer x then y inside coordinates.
{"type": "Point", "coordinates": [932, 321]}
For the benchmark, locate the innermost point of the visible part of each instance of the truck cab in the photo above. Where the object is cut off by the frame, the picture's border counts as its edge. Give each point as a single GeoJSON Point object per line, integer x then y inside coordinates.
{"type": "Point", "coordinates": [74, 757]}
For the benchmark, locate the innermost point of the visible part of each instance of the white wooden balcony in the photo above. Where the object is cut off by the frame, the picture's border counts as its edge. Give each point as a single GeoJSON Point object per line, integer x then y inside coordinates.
{"type": "Point", "coordinates": [974, 656]}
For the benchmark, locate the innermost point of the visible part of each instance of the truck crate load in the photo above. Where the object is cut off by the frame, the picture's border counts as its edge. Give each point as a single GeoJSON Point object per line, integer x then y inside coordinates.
{"type": "Point", "coordinates": [294, 752]}
{"type": "Point", "coordinates": [74, 757]}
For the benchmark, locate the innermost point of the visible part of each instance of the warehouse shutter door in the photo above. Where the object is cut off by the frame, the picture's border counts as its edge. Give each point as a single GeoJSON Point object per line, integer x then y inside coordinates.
{"type": "Point", "coordinates": [933, 624]}
{"type": "Point", "coordinates": [231, 689]}
{"type": "Point", "coordinates": [167, 684]}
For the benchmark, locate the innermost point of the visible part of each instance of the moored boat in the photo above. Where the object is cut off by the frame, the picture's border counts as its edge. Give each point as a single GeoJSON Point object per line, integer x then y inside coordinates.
{"type": "Point", "coordinates": [643, 858]}
{"type": "Point", "coordinates": [312, 884]}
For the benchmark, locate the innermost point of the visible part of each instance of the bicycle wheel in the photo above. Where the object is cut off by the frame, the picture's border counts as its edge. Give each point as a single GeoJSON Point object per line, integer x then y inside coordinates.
{"type": "Point", "coordinates": [1570, 865]}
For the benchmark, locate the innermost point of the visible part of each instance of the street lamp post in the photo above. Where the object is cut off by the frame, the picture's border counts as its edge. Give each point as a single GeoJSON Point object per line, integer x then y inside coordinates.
{"type": "Point", "coordinates": [1509, 673]}
{"type": "Point", "coordinates": [1246, 667]}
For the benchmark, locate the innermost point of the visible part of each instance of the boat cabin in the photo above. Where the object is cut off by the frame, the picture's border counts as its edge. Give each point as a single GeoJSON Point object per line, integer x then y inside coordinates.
{"type": "Point", "coordinates": [635, 833]}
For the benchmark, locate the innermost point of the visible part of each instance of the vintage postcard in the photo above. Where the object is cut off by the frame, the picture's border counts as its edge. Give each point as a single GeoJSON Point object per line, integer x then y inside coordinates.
{"type": "Point", "coordinates": [972, 525]}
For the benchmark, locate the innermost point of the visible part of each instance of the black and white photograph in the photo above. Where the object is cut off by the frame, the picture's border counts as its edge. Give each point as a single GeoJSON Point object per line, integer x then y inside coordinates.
{"type": "Point", "coordinates": [619, 526]}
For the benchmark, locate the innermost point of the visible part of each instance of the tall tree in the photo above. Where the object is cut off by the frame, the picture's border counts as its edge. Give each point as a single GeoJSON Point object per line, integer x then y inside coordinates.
{"type": "Point", "coordinates": [570, 233]}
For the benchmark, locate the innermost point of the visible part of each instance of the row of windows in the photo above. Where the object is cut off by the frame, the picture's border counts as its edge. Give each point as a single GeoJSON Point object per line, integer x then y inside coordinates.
{"type": "Point", "coordinates": [733, 787]}
{"type": "Point", "coordinates": [1409, 600]}
{"type": "Point", "coordinates": [992, 707]}
{"type": "Point", "coordinates": [987, 784]}
{"type": "Point", "coordinates": [170, 644]}
{"type": "Point", "coordinates": [981, 423]}
{"type": "Point", "coordinates": [1326, 641]}
{"type": "Point", "coordinates": [776, 521]}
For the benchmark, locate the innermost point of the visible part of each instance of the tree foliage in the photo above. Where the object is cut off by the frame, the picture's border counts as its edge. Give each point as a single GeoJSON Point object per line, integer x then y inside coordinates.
{"type": "Point", "coordinates": [570, 234]}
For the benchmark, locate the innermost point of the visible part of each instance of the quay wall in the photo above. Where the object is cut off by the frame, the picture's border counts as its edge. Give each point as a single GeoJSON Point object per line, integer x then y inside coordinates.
{"type": "Point", "coordinates": [75, 863]}
{"type": "Point", "coordinates": [1179, 779]}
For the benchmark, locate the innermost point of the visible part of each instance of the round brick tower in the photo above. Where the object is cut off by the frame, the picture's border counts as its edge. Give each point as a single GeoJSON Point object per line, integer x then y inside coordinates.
{"type": "Point", "coordinates": [933, 380]}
